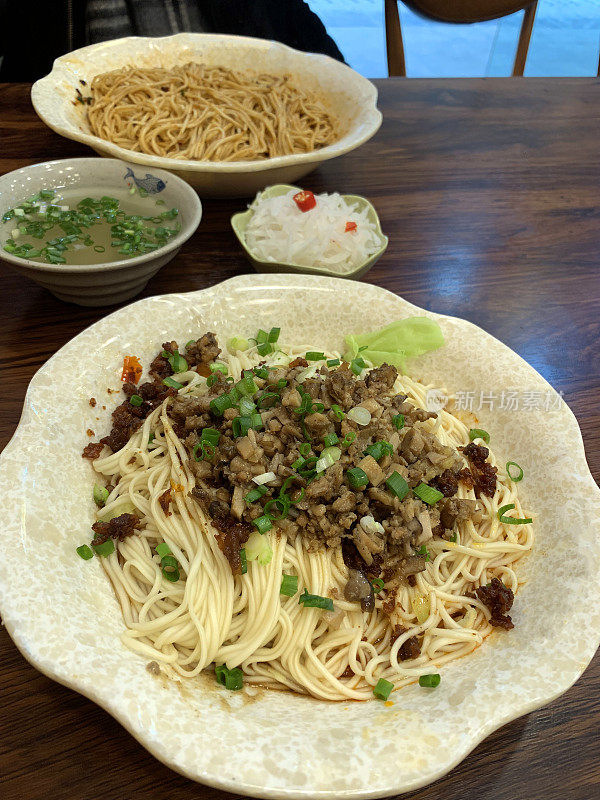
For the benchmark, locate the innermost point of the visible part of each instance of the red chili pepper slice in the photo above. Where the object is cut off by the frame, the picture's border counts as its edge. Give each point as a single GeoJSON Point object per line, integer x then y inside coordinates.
{"type": "Point", "coordinates": [132, 369]}
{"type": "Point", "coordinates": [350, 227]}
{"type": "Point", "coordinates": [305, 200]}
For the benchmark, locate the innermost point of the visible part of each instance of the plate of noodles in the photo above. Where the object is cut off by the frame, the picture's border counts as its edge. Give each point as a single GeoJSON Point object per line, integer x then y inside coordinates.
{"type": "Point", "coordinates": [230, 114]}
{"type": "Point", "coordinates": [288, 528]}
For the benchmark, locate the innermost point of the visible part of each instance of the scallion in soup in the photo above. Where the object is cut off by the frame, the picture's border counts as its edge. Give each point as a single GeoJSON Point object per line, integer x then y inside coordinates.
{"type": "Point", "coordinates": [69, 228]}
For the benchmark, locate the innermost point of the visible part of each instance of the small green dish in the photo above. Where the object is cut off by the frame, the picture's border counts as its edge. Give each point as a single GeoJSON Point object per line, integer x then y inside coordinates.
{"type": "Point", "coordinates": [240, 221]}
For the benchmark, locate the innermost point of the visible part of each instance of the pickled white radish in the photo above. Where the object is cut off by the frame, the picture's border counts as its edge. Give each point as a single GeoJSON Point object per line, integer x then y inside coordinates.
{"type": "Point", "coordinates": [333, 234]}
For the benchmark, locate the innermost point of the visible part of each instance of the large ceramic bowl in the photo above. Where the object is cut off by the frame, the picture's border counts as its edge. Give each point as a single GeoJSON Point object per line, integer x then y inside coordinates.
{"type": "Point", "coordinates": [114, 281]}
{"type": "Point", "coordinates": [65, 619]}
{"type": "Point", "coordinates": [241, 220]}
{"type": "Point", "coordinates": [351, 98]}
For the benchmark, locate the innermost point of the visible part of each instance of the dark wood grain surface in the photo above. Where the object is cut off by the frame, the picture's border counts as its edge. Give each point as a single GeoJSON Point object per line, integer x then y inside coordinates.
{"type": "Point", "coordinates": [489, 191]}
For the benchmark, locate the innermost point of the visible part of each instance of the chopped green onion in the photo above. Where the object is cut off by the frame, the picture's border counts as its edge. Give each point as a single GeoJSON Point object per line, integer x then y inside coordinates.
{"type": "Point", "coordinates": [298, 463]}
{"type": "Point", "coordinates": [262, 336]}
{"type": "Point", "coordinates": [329, 456]}
{"type": "Point", "coordinates": [277, 508]}
{"type": "Point", "coordinates": [136, 400]}
{"type": "Point", "coordinates": [264, 349]}
{"type": "Point", "coordinates": [430, 681]}
{"type": "Point", "coordinates": [512, 520]}
{"type": "Point", "coordinates": [378, 450]}
{"type": "Point", "coordinates": [104, 549]}
{"type": "Point", "coordinates": [348, 439]}
{"type": "Point", "coordinates": [177, 362]}
{"type": "Point", "coordinates": [427, 494]}
{"type": "Point", "coordinates": [479, 433]}
{"type": "Point", "coordinates": [247, 406]}
{"type": "Point", "coordinates": [232, 679]}
{"type": "Point", "coordinates": [330, 439]}
{"type": "Point", "coordinates": [383, 689]}
{"type": "Point", "coordinates": [397, 485]}
{"type": "Point", "coordinates": [334, 362]}
{"type": "Point", "coordinates": [207, 451]}
{"type": "Point", "coordinates": [268, 400]}
{"type": "Point", "coordinates": [377, 585]}
{"type": "Point", "coordinates": [263, 524]}
{"type": "Point", "coordinates": [170, 568]}
{"type": "Point", "coordinates": [261, 372]}
{"type": "Point", "coordinates": [237, 343]}
{"type": "Point", "coordinates": [216, 366]}
{"type": "Point", "coordinates": [255, 494]}
{"type": "Point", "coordinates": [398, 421]}
{"type": "Point", "coordinates": [357, 365]}
{"type": "Point", "coordinates": [305, 405]}
{"type": "Point", "coordinates": [211, 436]}
{"type": "Point", "coordinates": [337, 411]}
{"type": "Point", "coordinates": [241, 425]}
{"type": "Point", "coordinates": [289, 585]}
{"type": "Point", "coordinates": [454, 537]}
{"type": "Point", "coordinates": [258, 548]}
{"type": "Point", "coordinates": [151, 437]}
{"type": "Point", "coordinates": [246, 385]}
{"type": "Point", "coordinates": [315, 601]}
{"type": "Point", "coordinates": [85, 552]}
{"type": "Point", "coordinates": [100, 494]}
{"type": "Point", "coordinates": [273, 335]}
{"type": "Point", "coordinates": [221, 403]}
{"type": "Point", "coordinates": [304, 448]}
{"type": "Point", "coordinates": [243, 561]}
{"type": "Point", "coordinates": [283, 491]}
{"type": "Point", "coordinates": [423, 551]}
{"type": "Point", "coordinates": [357, 478]}
{"type": "Point", "coordinates": [314, 355]}
{"type": "Point", "coordinates": [173, 383]}
{"type": "Point", "coordinates": [307, 470]}
{"type": "Point", "coordinates": [514, 478]}
{"type": "Point", "coordinates": [163, 549]}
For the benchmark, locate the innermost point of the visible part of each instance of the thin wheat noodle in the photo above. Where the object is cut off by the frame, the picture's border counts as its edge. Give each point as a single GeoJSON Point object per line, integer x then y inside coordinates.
{"type": "Point", "coordinates": [210, 615]}
{"type": "Point", "coordinates": [207, 113]}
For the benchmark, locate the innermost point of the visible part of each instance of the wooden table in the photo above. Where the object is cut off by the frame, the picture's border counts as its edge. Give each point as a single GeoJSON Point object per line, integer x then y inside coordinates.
{"type": "Point", "coordinates": [489, 191]}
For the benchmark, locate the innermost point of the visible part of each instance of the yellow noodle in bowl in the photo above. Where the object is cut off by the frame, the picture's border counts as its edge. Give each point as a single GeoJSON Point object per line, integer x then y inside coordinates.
{"type": "Point", "coordinates": [208, 113]}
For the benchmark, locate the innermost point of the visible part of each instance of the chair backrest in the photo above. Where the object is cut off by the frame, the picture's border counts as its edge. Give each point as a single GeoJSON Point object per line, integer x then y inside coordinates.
{"type": "Point", "coordinates": [459, 11]}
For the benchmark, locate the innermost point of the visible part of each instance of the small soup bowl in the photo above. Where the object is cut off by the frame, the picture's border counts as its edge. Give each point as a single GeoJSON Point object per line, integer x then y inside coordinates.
{"type": "Point", "coordinates": [110, 281]}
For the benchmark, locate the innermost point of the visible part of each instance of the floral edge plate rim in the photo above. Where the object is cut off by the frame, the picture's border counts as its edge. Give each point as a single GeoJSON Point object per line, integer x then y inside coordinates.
{"type": "Point", "coordinates": [154, 746]}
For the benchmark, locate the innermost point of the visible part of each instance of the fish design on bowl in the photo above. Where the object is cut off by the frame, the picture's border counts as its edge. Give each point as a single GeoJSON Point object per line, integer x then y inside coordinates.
{"type": "Point", "coordinates": [150, 184]}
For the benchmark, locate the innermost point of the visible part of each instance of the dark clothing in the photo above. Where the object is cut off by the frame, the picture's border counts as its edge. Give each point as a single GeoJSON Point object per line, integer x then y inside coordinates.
{"type": "Point", "coordinates": [33, 34]}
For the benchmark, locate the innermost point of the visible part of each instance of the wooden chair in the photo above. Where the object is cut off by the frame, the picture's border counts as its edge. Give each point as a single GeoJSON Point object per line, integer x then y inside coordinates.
{"type": "Point", "coordinates": [456, 11]}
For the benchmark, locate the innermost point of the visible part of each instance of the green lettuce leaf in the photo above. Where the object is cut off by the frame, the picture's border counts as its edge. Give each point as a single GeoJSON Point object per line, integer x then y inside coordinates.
{"type": "Point", "coordinates": [405, 338]}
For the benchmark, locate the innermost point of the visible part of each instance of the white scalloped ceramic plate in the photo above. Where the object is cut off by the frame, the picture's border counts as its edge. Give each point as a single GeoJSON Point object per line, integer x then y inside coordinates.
{"type": "Point", "coordinates": [63, 616]}
{"type": "Point", "coordinates": [352, 98]}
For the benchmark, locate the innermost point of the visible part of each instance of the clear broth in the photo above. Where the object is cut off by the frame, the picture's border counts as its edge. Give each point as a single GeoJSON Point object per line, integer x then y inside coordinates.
{"type": "Point", "coordinates": [78, 253]}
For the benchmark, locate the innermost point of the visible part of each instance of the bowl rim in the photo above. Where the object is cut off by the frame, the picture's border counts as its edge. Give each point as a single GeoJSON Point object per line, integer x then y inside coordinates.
{"type": "Point", "coordinates": [249, 212]}
{"type": "Point", "coordinates": [60, 65]}
{"type": "Point", "coordinates": [108, 266]}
